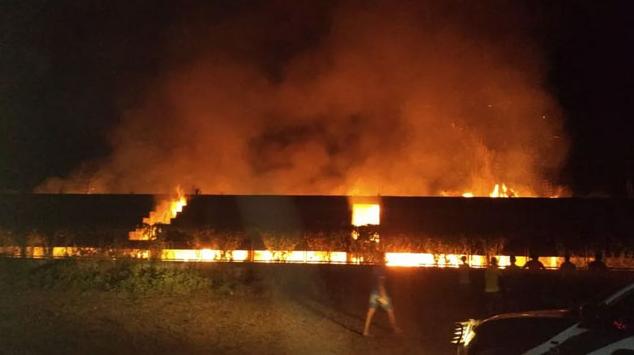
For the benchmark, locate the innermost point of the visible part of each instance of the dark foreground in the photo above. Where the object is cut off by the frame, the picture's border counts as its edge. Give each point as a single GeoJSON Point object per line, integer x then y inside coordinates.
{"type": "Point", "coordinates": [269, 309]}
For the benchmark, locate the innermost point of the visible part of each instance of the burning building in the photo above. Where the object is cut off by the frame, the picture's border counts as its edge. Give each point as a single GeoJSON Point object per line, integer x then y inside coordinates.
{"type": "Point", "coordinates": [415, 231]}
{"type": "Point", "coordinates": [391, 99]}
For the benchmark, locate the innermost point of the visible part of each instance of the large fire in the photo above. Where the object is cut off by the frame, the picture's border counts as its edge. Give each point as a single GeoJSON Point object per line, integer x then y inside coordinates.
{"type": "Point", "coordinates": [163, 213]}
{"type": "Point", "coordinates": [499, 190]}
{"type": "Point", "coordinates": [502, 191]}
{"type": "Point", "coordinates": [273, 256]}
{"type": "Point", "coordinates": [364, 214]}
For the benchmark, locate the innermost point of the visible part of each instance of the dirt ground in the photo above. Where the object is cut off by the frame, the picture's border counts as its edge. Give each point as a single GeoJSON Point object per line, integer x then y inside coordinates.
{"type": "Point", "coordinates": [45, 322]}
{"type": "Point", "coordinates": [287, 310]}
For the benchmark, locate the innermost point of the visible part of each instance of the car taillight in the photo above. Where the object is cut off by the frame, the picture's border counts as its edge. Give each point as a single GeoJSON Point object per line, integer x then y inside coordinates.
{"type": "Point", "coordinates": [619, 325]}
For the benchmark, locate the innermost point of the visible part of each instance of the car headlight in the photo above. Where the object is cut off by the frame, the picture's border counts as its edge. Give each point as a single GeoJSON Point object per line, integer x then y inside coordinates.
{"type": "Point", "coordinates": [464, 332]}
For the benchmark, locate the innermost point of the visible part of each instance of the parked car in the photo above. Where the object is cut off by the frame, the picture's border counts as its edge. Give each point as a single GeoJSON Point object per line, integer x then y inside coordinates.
{"type": "Point", "coordinates": [602, 327]}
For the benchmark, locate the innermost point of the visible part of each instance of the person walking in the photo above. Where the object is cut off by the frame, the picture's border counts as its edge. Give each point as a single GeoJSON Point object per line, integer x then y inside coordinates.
{"type": "Point", "coordinates": [379, 298]}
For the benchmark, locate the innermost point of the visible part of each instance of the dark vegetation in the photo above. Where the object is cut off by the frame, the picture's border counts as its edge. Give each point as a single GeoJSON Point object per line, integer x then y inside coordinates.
{"type": "Point", "coordinates": [124, 276]}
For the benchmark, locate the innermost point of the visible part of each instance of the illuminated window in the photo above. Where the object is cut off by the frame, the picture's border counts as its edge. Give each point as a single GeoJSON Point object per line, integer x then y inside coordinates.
{"type": "Point", "coordinates": [366, 214]}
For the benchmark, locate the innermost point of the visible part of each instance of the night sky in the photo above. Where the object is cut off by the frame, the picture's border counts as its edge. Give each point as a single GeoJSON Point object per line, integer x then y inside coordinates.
{"type": "Point", "coordinates": [69, 69]}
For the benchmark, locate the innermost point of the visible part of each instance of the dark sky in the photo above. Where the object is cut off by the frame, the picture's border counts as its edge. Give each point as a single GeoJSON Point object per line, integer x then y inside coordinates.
{"type": "Point", "coordinates": [68, 69]}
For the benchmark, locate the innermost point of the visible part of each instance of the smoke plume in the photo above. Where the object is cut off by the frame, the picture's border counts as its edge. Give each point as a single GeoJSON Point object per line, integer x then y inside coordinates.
{"type": "Point", "coordinates": [353, 98]}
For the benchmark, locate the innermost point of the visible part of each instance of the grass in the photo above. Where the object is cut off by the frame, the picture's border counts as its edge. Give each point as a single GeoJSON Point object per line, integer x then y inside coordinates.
{"type": "Point", "coordinates": [73, 307]}
{"type": "Point", "coordinates": [129, 276]}
{"type": "Point", "coordinates": [128, 306]}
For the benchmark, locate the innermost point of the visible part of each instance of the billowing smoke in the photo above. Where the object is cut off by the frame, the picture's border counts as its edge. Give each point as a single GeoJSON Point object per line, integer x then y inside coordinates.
{"type": "Point", "coordinates": [407, 99]}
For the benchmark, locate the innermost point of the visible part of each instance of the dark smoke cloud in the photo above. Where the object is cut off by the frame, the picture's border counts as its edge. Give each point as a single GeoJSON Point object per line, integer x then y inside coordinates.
{"type": "Point", "coordinates": [408, 99]}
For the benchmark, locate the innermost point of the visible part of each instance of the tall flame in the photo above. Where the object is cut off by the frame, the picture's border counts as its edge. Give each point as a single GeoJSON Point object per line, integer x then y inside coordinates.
{"type": "Point", "coordinates": [499, 190]}
{"type": "Point", "coordinates": [502, 191]}
{"type": "Point", "coordinates": [163, 213]}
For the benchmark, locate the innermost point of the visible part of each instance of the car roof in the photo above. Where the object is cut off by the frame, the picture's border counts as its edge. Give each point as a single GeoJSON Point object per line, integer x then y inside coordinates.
{"type": "Point", "coordinates": [618, 294]}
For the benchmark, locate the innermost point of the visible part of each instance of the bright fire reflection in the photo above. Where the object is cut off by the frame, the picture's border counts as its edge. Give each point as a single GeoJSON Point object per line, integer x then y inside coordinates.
{"type": "Point", "coordinates": [453, 260]}
{"type": "Point", "coordinates": [276, 256]}
{"type": "Point", "coordinates": [203, 255]}
{"type": "Point", "coordinates": [364, 214]}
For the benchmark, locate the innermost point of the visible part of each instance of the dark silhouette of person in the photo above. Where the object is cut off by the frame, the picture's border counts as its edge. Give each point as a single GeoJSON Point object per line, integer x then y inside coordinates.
{"type": "Point", "coordinates": [464, 296]}
{"type": "Point", "coordinates": [463, 273]}
{"type": "Point", "coordinates": [513, 266]}
{"type": "Point", "coordinates": [492, 286]}
{"type": "Point", "coordinates": [534, 264]}
{"type": "Point", "coordinates": [567, 267]}
{"type": "Point", "coordinates": [597, 265]}
{"type": "Point", "coordinates": [512, 284]}
{"type": "Point", "coordinates": [567, 286]}
{"type": "Point", "coordinates": [379, 298]}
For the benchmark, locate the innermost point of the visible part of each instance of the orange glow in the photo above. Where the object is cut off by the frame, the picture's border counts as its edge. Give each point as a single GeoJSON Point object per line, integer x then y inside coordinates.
{"type": "Point", "coordinates": [399, 259]}
{"type": "Point", "coordinates": [499, 190]}
{"type": "Point", "coordinates": [476, 261]}
{"type": "Point", "coordinates": [340, 257]}
{"type": "Point", "coordinates": [409, 259]}
{"type": "Point", "coordinates": [551, 262]}
{"type": "Point", "coordinates": [453, 260]}
{"type": "Point", "coordinates": [239, 255]}
{"type": "Point", "coordinates": [187, 255]}
{"type": "Point", "coordinates": [502, 191]}
{"type": "Point", "coordinates": [364, 214]}
{"type": "Point", "coordinates": [505, 260]}
{"type": "Point", "coordinates": [265, 256]}
{"type": "Point", "coordinates": [324, 256]}
{"type": "Point", "coordinates": [163, 213]}
{"type": "Point", "coordinates": [10, 251]}
{"type": "Point", "coordinates": [203, 255]}
{"type": "Point", "coordinates": [63, 252]}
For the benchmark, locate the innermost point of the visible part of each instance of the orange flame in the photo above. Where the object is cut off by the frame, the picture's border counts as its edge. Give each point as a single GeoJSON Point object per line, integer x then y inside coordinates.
{"type": "Point", "coordinates": [163, 213]}
{"type": "Point", "coordinates": [396, 259]}
{"type": "Point", "coordinates": [502, 191]}
{"type": "Point", "coordinates": [499, 190]}
{"type": "Point", "coordinates": [364, 214]}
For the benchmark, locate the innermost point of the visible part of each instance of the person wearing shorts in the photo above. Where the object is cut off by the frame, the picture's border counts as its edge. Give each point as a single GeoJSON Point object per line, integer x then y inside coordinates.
{"type": "Point", "coordinates": [379, 298]}
{"type": "Point", "coordinates": [377, 301]}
